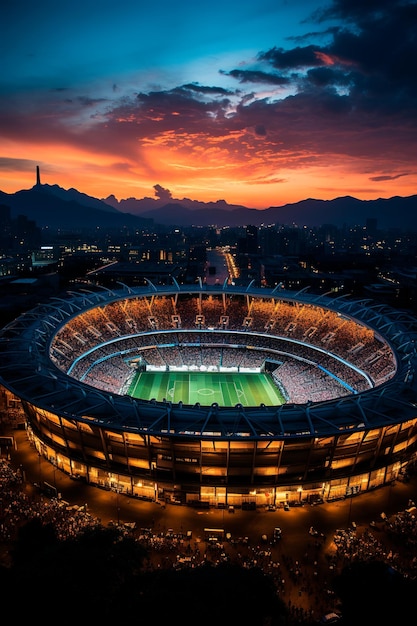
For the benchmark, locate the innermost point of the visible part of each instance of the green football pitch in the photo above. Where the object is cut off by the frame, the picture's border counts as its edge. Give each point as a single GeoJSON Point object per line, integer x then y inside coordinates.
{"type": "Point", "coordinates": [226, 389]}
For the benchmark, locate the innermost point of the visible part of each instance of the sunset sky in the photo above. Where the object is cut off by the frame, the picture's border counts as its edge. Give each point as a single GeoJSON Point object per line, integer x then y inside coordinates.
{"type": "Point", "coordinates": [256, 103]}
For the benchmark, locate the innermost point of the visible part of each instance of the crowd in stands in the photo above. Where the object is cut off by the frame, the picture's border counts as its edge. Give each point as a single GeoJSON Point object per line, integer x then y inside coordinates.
{"type": "Point", "coordinates": [304, 382]}
{"type": "Point", "coordinates": [175, 331]}
{"type": "Point", "coordinates": [111, 374]}
{"type": "Point", "coordinates": [301, 380]}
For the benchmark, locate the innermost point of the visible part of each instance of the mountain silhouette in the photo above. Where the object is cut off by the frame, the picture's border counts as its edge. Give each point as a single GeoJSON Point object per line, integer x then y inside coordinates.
{"type": "Point", "coordinates": [51, 206]}
{"type": "Point", "coordinates": [56, 208]}
{"type": "Point", "coordinates": [393, 213]}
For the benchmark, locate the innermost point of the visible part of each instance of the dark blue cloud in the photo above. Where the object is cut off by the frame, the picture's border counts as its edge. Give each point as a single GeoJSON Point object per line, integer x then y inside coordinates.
{"type": "Point", "coordinates": [371, 57]}
{"type": "Point", "coordinates": [256, 76]}
{"type": "Point", "coordinates": [297, 58]}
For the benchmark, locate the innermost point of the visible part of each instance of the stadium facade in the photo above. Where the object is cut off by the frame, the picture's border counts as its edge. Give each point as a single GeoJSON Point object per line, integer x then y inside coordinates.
{"type": "Point", "coordinates": [346, 368]}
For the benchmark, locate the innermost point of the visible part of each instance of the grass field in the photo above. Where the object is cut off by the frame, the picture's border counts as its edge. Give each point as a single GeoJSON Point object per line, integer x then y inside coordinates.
{"type": "Point", "coordinates": [227, 389]}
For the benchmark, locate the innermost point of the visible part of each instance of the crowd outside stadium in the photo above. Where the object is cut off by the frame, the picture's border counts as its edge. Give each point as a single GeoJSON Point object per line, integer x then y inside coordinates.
{"type": "Point", "coordinates": [303, 581]}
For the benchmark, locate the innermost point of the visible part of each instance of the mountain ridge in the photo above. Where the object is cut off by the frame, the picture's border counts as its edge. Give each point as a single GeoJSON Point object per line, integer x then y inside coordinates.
{"type": "Point", "coordinates": [54, 207]}
{"type": "Point", "coordinates": [395, 212]}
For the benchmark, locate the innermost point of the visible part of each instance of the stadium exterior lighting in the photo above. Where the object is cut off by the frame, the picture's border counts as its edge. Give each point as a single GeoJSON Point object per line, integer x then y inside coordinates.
{"type": "Point", "coordinates": [346, 367]}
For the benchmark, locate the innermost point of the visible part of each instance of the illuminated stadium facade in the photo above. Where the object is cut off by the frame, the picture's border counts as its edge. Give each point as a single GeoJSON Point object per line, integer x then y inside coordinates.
{"type": "Point", "coordinates": [345, 367]}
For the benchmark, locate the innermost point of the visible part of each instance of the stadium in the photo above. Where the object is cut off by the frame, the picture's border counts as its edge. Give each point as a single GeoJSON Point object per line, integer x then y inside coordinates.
{"type": "Point", "coordinates": [216, 395]}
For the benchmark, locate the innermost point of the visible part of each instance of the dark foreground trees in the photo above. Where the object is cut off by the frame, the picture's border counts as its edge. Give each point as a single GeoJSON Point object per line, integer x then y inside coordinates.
{"type": "Point", "coordinates": [103, 576]}
{"type": "Point", "coordinates": [374, 593]}
{"type": "Point", "coordinates": [100, 575]}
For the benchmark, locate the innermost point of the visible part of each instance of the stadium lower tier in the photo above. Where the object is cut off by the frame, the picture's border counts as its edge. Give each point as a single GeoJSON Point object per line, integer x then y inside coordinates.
{"type": "Point", "coordinates": [215, 471]}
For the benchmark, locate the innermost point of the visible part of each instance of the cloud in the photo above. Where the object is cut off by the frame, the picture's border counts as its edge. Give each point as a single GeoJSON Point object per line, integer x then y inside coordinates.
{"type": "Point", "coordinates": [346, 95]}
{"type": "Point", "coordinates": [372, 52]}
{"type": "Point", "coordinates": [387, 177]}
{"type": "Point", "coordinates": [204, 89]}
{"type": "Point", "coordinates": [162, 194]}
{"type": "Point", "coordinates": [328, 77]}
{"type": "Point", "coordinates": [381, 47]}
{"type": "Point", "coordinates": [13, 165]}
{"type": "Point", "coordinates": [260, 130]}
{"type": "Point", "coordinates": [356, 11]}
{"type": "Point", "coordinates": [256, 76]}
{"type": "Point", "coordinates": [297, 58]}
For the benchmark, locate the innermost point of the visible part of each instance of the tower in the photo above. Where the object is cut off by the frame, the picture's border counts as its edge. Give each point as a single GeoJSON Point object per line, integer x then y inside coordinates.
{"type": "Point", "coordinates": [38, 175]}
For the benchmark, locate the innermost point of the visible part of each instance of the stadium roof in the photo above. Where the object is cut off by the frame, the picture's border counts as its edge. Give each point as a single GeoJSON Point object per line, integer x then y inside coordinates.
{"type": "Point", "coordinates": [27, 371]}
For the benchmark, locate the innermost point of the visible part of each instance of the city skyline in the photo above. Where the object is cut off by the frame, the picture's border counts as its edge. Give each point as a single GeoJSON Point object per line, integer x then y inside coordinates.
{"type": "Point", "coordinates": [256, 105]}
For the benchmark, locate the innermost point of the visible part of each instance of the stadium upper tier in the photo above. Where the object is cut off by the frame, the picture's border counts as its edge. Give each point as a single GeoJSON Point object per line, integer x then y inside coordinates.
{"type": "Point", "coordinates": [48, 356]}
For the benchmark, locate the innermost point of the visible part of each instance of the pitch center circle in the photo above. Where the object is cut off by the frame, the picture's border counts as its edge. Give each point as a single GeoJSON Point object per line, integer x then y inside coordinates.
{"type": "Point", "coordinates": [205, 392]}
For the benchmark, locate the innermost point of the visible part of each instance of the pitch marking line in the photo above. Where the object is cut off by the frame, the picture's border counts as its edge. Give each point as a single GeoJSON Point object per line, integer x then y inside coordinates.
{"type": "Point", "coordinates": [205, 391]}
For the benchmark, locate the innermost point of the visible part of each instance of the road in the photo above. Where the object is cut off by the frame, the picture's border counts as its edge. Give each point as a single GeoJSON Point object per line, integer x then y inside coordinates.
{"type": "Point", "coordinates": [216, 259]}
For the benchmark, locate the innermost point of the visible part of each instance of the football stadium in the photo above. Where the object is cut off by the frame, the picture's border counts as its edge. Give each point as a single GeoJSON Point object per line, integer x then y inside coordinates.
{"type": "Point", "coordinates": [216, 395]}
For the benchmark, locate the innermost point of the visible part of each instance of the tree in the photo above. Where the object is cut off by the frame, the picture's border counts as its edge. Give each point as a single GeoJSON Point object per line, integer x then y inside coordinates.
{"type": "Point", "coordinates": [375, 593]}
